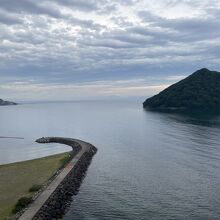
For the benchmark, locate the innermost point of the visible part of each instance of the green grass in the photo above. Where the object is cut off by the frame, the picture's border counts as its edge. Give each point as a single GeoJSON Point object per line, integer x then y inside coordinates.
{"type": "Point", "coordinates": [17, 179]}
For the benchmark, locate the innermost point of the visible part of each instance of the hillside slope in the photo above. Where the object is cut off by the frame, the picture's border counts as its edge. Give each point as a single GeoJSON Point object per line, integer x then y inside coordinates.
{"type": "Point", "coordinates": [199, 90]}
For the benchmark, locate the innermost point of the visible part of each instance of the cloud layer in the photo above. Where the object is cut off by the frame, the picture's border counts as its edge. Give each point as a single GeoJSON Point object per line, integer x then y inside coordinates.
{"type": "Point", "coordinates": [71, 45]}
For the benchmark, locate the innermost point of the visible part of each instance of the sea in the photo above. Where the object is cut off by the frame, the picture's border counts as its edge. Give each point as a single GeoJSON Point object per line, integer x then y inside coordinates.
{"type": "Point", "coordinates": [149, 165]}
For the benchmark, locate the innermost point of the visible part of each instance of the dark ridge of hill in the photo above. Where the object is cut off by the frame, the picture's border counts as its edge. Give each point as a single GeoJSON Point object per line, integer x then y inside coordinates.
{"type": "Point", "coordinates": [200, 90]}
{"type": "Point", "coordinates": [2, 102]}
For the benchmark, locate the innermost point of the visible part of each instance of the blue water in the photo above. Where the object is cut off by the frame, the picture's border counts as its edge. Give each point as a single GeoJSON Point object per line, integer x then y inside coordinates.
{"type": "Point", "coordinates": [148, 166]}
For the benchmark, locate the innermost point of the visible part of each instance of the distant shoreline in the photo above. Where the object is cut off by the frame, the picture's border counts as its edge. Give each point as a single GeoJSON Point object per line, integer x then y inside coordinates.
{"type": "Point", "coordinates": [6, 103]}
{"type": "Point", "coordinates": [5, 137]}
{"type": "Point", "coordinates": [183, 109]}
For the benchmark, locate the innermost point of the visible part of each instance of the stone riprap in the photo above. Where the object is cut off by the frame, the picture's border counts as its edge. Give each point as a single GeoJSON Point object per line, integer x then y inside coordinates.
{"type": "Point", "coordinates": [53, 201]}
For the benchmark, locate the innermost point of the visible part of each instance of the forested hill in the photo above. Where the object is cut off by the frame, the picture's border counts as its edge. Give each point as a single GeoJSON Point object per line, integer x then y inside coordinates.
{"type": "Point", "coordinates": [199, 90]}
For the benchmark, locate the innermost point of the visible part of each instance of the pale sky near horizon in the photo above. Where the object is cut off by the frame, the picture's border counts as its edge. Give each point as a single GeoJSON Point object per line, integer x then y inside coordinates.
{"type": "Point", "coordinates": [95, 49]}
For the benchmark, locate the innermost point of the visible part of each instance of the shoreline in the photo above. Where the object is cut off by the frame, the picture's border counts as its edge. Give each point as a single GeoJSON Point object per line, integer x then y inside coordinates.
{"type": "Point", "coordinates": [53, 200]}
{"type": "Point", "coordinates": [17, 178]}
{"type": "Point", "coordinates": [5, 137]}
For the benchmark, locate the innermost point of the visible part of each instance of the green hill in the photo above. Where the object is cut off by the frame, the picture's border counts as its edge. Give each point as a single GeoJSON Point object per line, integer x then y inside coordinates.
{"type": "Point", "coordinates": [201, 90]}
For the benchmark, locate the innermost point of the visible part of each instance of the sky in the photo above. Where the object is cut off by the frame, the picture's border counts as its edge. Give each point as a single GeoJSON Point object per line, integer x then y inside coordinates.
{"type": "Point", "coordinates": [103, 49]}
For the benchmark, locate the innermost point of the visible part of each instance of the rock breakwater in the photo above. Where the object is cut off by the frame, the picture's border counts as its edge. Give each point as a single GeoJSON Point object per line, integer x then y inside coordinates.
{"type": "Point", "coordinates": [53, 201]}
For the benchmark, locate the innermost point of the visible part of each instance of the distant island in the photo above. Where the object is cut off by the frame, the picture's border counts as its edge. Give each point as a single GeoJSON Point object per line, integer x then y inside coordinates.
{"type": "Point", "coordinates": [2, 102]}
{"type": "Point", "coordinates": [200, 90]}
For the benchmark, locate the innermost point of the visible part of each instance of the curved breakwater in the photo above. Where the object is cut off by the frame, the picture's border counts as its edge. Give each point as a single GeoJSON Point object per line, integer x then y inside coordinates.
{"type": "Point", "coordinates": [53, 201]}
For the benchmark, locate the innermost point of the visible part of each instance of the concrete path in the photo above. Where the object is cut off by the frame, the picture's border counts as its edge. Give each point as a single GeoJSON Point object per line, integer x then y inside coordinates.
{"type": "Point", "coordinates": [42, 198]}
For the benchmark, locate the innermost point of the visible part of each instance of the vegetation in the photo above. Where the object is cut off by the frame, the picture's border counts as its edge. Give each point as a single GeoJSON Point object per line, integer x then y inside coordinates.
{"type": "Point", "coordinates": [35, 188]}
{"type": "Point", "coordinates": [65, 159]}
{"type": "Point", "coordinates": [21, 204]}
{"type": "Point", "coordinates": [201, 90]}
{"type": "Point", "coordinates": [17, 178]}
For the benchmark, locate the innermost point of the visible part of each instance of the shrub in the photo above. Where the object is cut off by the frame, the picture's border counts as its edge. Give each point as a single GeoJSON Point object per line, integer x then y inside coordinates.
{"type": "Point", "coordinates": [35, 188]}
{"type": "Point", "coordinates": [65, 159]}
{"type": "Point", "coordinates": [21, 204]}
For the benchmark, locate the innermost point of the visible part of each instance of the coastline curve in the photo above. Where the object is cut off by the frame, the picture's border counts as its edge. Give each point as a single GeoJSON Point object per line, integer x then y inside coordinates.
{"type": "Point", "coordinates": [52, 202]}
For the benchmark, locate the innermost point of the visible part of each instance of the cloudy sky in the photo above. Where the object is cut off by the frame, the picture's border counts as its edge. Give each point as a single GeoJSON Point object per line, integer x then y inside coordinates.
{"type": "Point", "coordinates": [92, 49]}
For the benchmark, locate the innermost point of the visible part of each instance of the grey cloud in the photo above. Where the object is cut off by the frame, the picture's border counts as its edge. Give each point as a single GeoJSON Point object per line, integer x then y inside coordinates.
{"type": "Point", "coordinates": [83, 5]}
{"type": "Point", "coordinates": [89, 24]}
{"type": "Point", "coordinates": [76, 49]}
{"type": "Point", "coordinates": [183, 29]}
{"type": "Point", "coordinates": [47, 8]}
{"type": "Point", "coordinates": [9, 19]}
{"type": "Point", "coordinates": [109, 44]}
{"type": "Point", "coordinates": [125, 2]}
{"type": "Point", "coordinates": [121, 21]}
{"type": "Point", "coordinates": [200, 26]}
{"type": "Point", "coordinates": [116, 39]}
{"type": "Point", "coordinates": [30, 7]}
{"type": "Point", "coordinates": [195, 3]}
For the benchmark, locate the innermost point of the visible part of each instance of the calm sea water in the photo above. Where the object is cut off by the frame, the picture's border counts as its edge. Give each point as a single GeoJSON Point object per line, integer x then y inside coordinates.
{"type": "Point", "coordinates": [148, 166]}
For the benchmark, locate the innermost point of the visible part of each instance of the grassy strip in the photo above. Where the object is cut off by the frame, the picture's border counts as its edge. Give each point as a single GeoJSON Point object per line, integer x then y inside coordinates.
{"type": "Point", "coordinates": [22, 179]}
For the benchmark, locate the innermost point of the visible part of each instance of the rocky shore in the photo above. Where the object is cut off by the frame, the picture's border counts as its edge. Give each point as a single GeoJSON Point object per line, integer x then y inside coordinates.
{"type": "Point", "coordinates": [53, 201]}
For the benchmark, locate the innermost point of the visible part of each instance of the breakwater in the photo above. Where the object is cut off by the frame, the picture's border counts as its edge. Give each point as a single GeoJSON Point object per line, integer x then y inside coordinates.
{"type": "Point", "coordinates": [53, 201]}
